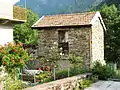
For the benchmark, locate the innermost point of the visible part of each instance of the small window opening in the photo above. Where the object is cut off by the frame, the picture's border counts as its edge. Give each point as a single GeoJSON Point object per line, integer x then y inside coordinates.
{"type": "Point", "coordinates": [63, 41]}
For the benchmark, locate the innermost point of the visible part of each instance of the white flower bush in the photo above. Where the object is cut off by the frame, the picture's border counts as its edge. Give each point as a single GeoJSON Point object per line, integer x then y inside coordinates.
{"type": "Point", "coordinates": [3, 76]}
{"type": "Point", "coordinates": [3, 73]}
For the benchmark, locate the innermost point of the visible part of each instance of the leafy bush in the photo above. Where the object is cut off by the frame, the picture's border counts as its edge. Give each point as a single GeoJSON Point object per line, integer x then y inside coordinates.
{"type": "Point", "coordinates": [82, 84]}
{"type": "Point", "coordinates": [13, 84]}
{"type": "Point", "coordinates": [13, 55]}
{"type": "Point", "coordinates": [117, 75]}
{"type": "Point", "coordinates": [94, 78]}
{"type": "Point", "coordinates": [49, 79]}
{"type": "Point", "coordinates": [61, 74]}
{"type": "Point", "coordinates": [85, 83]}
{"type": "Point", "coordinates": [103, 72]}
{"type": "Point", "coordinates": [76, 70]}
{"type": "Point", "coordinates": [73, 71]}
{"type": "Point", "coordinates": [44, 77]}
{"type": "Point", "coordinates": [9, 80]}
{"type": "Point", "coordinates": [77, 64]}
{"type": "Point", "coordinates": [76, 61]}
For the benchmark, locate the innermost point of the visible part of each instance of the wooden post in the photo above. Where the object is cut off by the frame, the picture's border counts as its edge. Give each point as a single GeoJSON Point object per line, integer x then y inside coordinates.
{"type": "Point", "coordinates": [34, 78]}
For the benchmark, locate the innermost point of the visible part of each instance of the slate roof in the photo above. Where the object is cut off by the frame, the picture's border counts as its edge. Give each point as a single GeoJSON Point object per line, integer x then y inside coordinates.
{"type": "Point", "coordinates": [65, 20]}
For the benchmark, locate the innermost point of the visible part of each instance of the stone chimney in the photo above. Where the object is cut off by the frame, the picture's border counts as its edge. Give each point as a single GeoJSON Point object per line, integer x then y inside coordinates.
{"type": "Point", "coordinates": [6, 8]}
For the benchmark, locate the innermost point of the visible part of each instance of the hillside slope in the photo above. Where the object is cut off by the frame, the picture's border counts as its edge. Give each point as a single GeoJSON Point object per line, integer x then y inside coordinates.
{"type": "Point", "coordinates": [44, 7]}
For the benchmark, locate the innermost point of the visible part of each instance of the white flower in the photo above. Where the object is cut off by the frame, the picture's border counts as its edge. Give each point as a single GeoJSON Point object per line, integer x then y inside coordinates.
{"type": "Point", "coordinates": [52, 48]}
{"type": "Point", "coordinates": [60, 48]}
{"type": "Point", "coordinates": [55, 43]}
{"type": "Point", "coordinates": [3, 74]}
{"type": "Point", "coordinates": [61, 54]}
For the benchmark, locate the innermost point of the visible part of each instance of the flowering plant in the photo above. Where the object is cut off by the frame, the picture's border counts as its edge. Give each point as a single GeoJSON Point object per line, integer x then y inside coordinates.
{"type": "Point", "coordinates": [3, 73]}
{"type": "Point", "coordinates": [52, 58]}
{"type": "Point", "coordinates": [13, 55]}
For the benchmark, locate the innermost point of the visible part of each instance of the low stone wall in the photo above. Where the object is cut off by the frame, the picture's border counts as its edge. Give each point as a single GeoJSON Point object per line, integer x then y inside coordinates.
{"type": "Point", "coordinates": [62, 84]}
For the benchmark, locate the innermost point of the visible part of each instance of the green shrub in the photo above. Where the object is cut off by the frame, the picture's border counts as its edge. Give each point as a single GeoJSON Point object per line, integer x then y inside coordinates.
{"type": "Point", "coordinates": [94, 78]}
{"type": "Point", "coordinates": [104, 72]}
{"type": "Point", "coordinates": [117, 75]}
{"type": "Point", "coordinates": [44, 77]}
{"type": "Point", "coordinates": [76, 70]}
{"type": "Point", "coordinates": [49, 79]}
{"type": "Point", "coordinates": [13, 84]}
{"type": "Point", "coordinates": [73, 71]}
{"type": "Point", "coordinates": [61, 74]}
{"type": "Point", "coordinates": [76, 61]}
{"type": "Point", "coordinates": [85, 83]}
{"type": "Point", "coordinates": [82, 84]}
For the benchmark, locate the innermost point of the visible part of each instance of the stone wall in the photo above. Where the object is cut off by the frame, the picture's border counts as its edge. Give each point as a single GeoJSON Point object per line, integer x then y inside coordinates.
{"type": "Point", "coordinates": [83, 41]}
{"type": "Point", "coordinates": [47, 39]}
{"type": "Point", "coordinates": [78, 38]}
{"type": "Point", "coordinates": [97, 42]}
{"type": "Point", "coordinates": [62, 84]}
{"type": "Point", "coordinates": [79, 42]}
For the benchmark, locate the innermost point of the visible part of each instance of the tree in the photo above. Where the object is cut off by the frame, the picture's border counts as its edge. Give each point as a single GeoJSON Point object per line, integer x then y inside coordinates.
{"type": "Point", "coordinates": [109, 2]}
{"type": "Point", "coordinates": [111, 17]}
{"type": "Point", "coordinates": [23, 32]}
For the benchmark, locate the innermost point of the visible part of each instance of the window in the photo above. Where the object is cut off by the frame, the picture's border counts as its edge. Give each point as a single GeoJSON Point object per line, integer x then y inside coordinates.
{"type": "Point", "coordinates": [63, 41]}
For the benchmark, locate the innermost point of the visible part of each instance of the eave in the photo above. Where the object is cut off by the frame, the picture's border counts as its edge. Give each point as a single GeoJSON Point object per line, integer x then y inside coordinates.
{"type": "Point", "coordinates": [70, 26]}
{"type": "Point", "coordinates": [12, 21]}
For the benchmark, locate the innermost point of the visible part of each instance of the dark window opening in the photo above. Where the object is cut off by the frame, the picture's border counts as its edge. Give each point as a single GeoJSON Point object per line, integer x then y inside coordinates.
{"type": "Point", "coordinates": [63, 41]}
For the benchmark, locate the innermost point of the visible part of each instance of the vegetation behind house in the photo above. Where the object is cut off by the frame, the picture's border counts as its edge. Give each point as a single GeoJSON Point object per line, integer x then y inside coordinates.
{"type": "Point", "coordinates": [19, 13]}
{"type": "Point", "coordinates": [23, 32]}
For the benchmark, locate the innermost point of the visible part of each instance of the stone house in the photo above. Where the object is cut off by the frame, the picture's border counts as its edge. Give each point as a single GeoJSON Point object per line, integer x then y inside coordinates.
{"type": "Point", "coordinates": [81, 34]}
{"type": "Point", "coordinates": [7, 20]}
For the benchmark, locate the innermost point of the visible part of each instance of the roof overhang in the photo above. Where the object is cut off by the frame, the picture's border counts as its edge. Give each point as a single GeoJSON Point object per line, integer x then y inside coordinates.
{"type": "Point", "coordinates": [70, 26]}
{"type": "Point", "coordinates": [13, 21]}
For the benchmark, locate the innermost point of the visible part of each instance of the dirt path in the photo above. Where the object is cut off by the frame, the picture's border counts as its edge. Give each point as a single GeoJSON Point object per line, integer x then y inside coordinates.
{"type": "Point", "coordinates": [105, 85]}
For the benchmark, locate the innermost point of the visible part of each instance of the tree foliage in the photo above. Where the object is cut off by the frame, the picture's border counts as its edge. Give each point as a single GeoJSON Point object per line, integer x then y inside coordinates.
{"type": "Point", "coordinates": [23, 32]}
{"type": "Point", "coordinates": [109, 2]}
{"type": "Point", "coordinates": [111, 17]}
{"type": "Point", "coordinates": [19, 13]}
